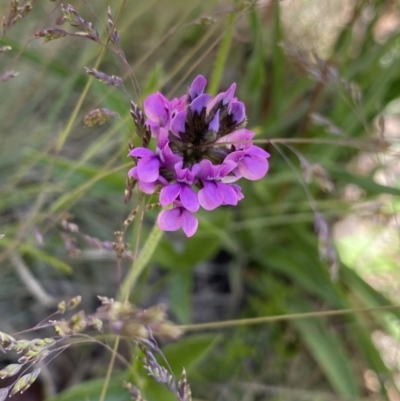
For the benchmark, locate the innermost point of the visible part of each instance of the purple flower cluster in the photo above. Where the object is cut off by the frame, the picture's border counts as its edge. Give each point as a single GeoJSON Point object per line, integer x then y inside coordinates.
{"type": "Point", "coordinates": [202, 149]}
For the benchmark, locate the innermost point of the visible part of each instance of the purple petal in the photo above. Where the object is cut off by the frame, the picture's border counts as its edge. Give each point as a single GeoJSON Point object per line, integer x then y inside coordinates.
{"type": "Point", "coordinates": [185, 175]}
{"type": "Point", "coordinates": [154, 128]}
{"type": "Point", "coordinates": [133, 173]}
{"type": "Point", "coordinates": [178, 123]}
{"type": "Point", "coordinates": [168, 158]}
{"type": "Point", "coordinates": [238, 191]}
{"type": "Point", "coordinates": [141, 152]}
{"type": "Point", "coordinates": [162, 138]}
{"type": "Point", "coordinates": [214, 123]}
{"type": "Point", "coordinates": [258, 152]}
{"type": "Point", "coordinates": [253, 168]}
{"type": "Point", "coordinates": [147, 187]}
{"type": "Point", "coordinates": [148, 169]}
{"type": "Point", "coordinates": [200, 103]}
{"type": "Point", "coordinates": [170, 220]}
{"type": "Point", "coordinates": [189, 199]}
{"type": "Point", "coordinates": [197, 87]}
{"type": "Point", "coordinates": [232, 177]}
{"type": "Point", "coordinates": [156, 108]}
{"type": "Point", "coordinates": [228, 194]}
{"type": "Point", "coordinates": [189, 223]}
{"type": "Point", "coordinates": [209, 196]}
{"type": "Point", "coordinates": [176, 105]}
{"type": "Point", "coordinates": [226, 167]}
{"type": "Point", "coordinates": [241, 139]}
{"type": "Point", "coordinates": [206, 170]}
{"type": "Point", "coordinates": [213, 102]}
{"type": "Point", "coordinates": [238, 112]}
{"type": "Point", "coordinates": [169, 193]}
{"type": "Point", "coordinates": [228, 95]}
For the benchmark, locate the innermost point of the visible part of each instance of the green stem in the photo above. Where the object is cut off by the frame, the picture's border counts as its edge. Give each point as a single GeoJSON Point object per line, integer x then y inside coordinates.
{"type": "Point", "coordinates": [60, 143]}
{"type": "Point", "coordinates": [290, 316]}
{"type": "Point", "coordinates": [141, 262]}
{"type": "Point", "coordinates": [109, 370]}
{"type": "Point", "coordinates": [222, 56]}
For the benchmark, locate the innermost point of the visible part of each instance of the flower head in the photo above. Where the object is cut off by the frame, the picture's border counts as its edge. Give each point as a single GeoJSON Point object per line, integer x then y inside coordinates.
{"type": "Point", "coordinates": [202, 148]}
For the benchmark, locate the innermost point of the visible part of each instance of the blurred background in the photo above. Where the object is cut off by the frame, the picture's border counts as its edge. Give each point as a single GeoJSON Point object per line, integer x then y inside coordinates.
{"type": "Point", "coordinates": [321, 84]}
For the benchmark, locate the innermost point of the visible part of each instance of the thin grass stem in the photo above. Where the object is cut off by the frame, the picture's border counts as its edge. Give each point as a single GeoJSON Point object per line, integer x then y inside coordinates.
{"type": "Point", "coordinates": [278, 318]}
{"type": "Point", "coordinates": [222, 56]}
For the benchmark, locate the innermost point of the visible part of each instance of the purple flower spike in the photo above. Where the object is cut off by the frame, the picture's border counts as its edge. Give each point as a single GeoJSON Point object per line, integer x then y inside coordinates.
{"type": "Point", "coordinates": [176, 218]}
{"type": "Point", "coordinates": [197, 87]}
{"type": "Point", "coordinates": [201, 150]}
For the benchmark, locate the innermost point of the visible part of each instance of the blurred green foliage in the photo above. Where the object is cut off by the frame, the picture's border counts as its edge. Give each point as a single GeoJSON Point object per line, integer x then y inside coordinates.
{"type": "Point", "coordinates": [265, 252]}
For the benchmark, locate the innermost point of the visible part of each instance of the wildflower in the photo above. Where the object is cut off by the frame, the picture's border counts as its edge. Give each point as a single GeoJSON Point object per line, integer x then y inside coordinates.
{"type": "Point", "coordinates": [202, 149]}
{"type": "Point", "coordinates": [182, 188]}
{"type": "Point", "coordinates": [159, 111]}
{"type": "Point", "coordinates": [176, 218]}
{"type": "Point", "coordinates": [149, 164]}
{"type": "Point", "coordinates": [214, 192]}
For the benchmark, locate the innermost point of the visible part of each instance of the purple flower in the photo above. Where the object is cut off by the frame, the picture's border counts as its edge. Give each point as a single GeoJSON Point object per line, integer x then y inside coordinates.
{"type": "Point", "coordinates": [148, 166]}
{"type": "Point", "coordinates": [176, 218]}
{"type": "Point", "coordinates": [159, 111]}
{"type": "Point", "coordinates": [147, 187]}
{"type": "Point", "coordinates": [251, 164]}
{"type": "Point", "coordinates": [167, 156]}
{"type": "Point", "coordinates": [156, 108]}
{"type": "Point", "coordinates": [183, 188]}
{"type": "Point", "coordinates": [214, 192]}
{"type": "Point", "coordinates": [201, 148]}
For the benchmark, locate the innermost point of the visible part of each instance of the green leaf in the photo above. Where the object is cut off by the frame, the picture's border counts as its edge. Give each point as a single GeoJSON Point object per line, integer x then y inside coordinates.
{"type": "Point", "coordinates": [90, 390]}
{"type": "Point", "coordinates": [180, 295]}
{"type": "Point", "coordinates": [365, 183]}
{"type": "Point", "coordinates": [200, 247]}
{"type": "Point", "coordinates": [328, 351]}
{"type": "Point", "coordinates": [38, 254]}
{"type": "Point", "coordinates": [188, 352]}
{"type": "Point", "coordinates": [152, 83]}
